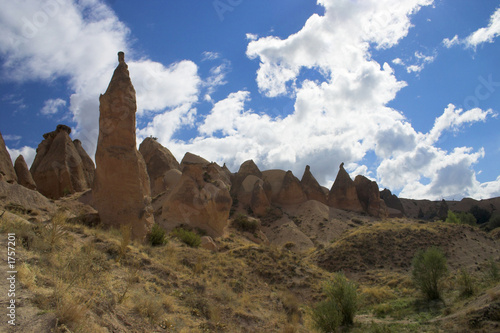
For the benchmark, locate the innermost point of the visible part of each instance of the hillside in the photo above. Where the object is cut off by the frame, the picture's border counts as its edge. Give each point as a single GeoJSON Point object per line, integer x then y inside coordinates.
{"type": "Point", "coordinates": [79, 278]}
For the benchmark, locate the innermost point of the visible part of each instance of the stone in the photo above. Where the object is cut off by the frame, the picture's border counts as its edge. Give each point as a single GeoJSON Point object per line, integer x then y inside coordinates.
{"type": "Point", "coordinates": [58, 169]}
{"type": "Point", "coordinates": [121, 190]}
{"type": "Point", "coordinates": [246, 169]}
{"type": "Point", "coordinates": [159, 160]}
{"type": "Point", "coordinates": [259, 202]}
{"type": "Point", "coordinates": [291, 192]}
{"type": "Point", "coordinates": [24, 177]}
{"type": "Point", "coordinates": [273, 180]}
{"type": "Point", "coordinates": [343, 194]}
{"type": "Point", "coordinates": [190, 159]}
{"type": "Point", "coordinates": [88, 164]}
{"type": "Point", "coordinates": [7, 172]}
{"type": "Point", "coordinates": [369, 196]}
{"type": "Point", "coordinates": [392, 202]}
{"type": "Point", "coordinates": [198, 201]}
{"type": "Point", "coordinates": [208, 243]}
{"type": "Point", "coordinates": [311, 187]}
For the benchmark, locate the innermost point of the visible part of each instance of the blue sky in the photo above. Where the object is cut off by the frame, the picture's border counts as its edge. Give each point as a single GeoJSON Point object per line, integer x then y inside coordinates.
{"type": "Point", "coordinates": [405, 92]}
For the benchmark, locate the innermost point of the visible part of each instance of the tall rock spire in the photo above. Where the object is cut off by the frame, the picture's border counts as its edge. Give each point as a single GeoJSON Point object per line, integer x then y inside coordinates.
{"type": "Point", "coordinates": [121, 191]}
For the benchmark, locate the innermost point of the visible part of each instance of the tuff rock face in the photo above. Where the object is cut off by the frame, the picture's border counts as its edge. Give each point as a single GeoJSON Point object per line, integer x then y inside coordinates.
{"type": "Point", "coordinates": [311, 187]}
{"type": "Point", "coordinates": [58, 168]}
{"type": "Point", "coordinates": [259, 202]}
{"type": "Point", "coordinates": [200, 199]}
{"type": "Point", "coordinates": [24, 177]}
{"type": "Point", "coordinates": [159, 160]}
{"type": "Point", "coordinates": [291, 192]}
{"type": "Point", "coordinates": [88, 164]}
{"type": "Point", "coordinates": [392, 202]}
{"type": "Point", "coordinates": [247, 168]}
{"type": "Point", "coordinates": [7, 172]}
{"type": "Point", "coordinates": [343, 194]}
{"type": "Point", "coordinates": [121, 191]}
{"type": "Point", "coordinates": [369, 196]}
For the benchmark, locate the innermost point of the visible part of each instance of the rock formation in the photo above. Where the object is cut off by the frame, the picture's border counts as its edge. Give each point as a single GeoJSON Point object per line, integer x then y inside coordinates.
{"type": "Point", "coordinates": [190, 159]}
{"type": "Point", "coordinates": [259, 202]}
{"type": "Point", "coordinates": [369, 196]}
{"type": "Point", "coordinates": [87, 163]}
{"type": "Point", "coordinates": [311, 187]}
{"type": "Point", "coordinates": [121, 191]}
{"type": "Point", "coordinates": [246, 169]}
{"type": "Point", "coordinates": [393, 203]}
{"type": "Point", "coordinates": [200, 199]}
{"type": "Point", "coordinates": [343, 194]}
{"type": "Point", "coordinates": [7, 172]}
{"type": "Point", "coordinates": [24, 177]}
{"type": "Point", "coordinates": [58, 169]}
{"type": "Point", "coordinates": [291, 192]}
{"type": "Point", "coordinates": [159, 160]}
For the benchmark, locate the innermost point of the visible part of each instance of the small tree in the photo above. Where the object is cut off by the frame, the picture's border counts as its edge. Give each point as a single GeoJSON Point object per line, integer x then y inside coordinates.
{"type": "Point", "coordinates": [429, 268]}
{"type": "Point", "coordinates": [452, 218]}
{"type": "Point", "coordinates": [340, 305]}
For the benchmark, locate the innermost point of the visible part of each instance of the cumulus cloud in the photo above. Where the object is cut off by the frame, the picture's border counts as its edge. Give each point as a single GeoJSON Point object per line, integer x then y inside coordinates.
{"type": "Point", "coordinates": [50, 39]}
{"type": "Point", "coordinates": [480, 36]}
{"type": "Point", "coordinates": [52, 106]}
{"type": "Point", "coordinates": [27, 152]}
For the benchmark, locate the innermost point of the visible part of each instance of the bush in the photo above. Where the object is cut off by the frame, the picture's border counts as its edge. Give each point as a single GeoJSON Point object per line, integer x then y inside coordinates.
{"type": "Point", "coordinates": [340, 305]}
{"type": "Point", "coordinates": [461, 218]}
{"type": "Point", "coordinates": [326, 316]}
{"type": "Point", "coordinates": [429, 268]}
{"type": "Point", "coordinates": [493, 223]}
{"type": "Point", "coordinates": [482, 215]}
{"type": "Point", "coordinates": [242, 223]}
{"type": "Point", "coordinates": [187, 237]}
{"type": "Point", "coordinates": [157, 236]}
{"type": "Point", "coordinates": [466, 283]}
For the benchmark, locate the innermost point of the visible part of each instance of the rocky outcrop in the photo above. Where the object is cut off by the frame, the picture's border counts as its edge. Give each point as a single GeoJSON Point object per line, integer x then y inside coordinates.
{"type": "Point", "coordinates": [369, 196]}
{"type": "Point", "coordinates": [198, 200]}
{"type": "Point", "coordinates": [392, 201]}
{"type": "Point", "coordinates": [58, 169]}
{"type": "Point", "coordinates": [291, 192]}
{"type": "Point", "coordinates": [259, 202]}
{"type": "Point", "coordinates": [87, 163]}
{"type": "Point", "coordinates": [121, 191]}
{"type": "Point", "coordinates": [190, 159]}
{"type": "Point", "coordinates": [7, 172]}
{"type": "Point", "coordinates": [248, 168]}
{"type": "Point", "coordinates": [24, 177]}
{"type": "Point", "coordinates": [343, 194]}
{"type": "Point", "coordinates": [311, 187]}
{"type": "Point", "coordinates": [159, 160]}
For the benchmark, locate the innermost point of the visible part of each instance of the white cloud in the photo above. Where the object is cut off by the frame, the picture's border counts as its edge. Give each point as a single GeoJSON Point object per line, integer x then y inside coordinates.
{"type": "Point", "coordinates": [421, 61]}
{"type": "Point", "coordinates": [52, 106]}
{"type": "Point", "coordinates": [27, 152]}
{"type": "Point", "coordinates": [207, 55]}
{"type": "Point", "coordinates": [448, 43]}
{"type": "Point", "coordinates": [487, 34]}
{"type": "Point", "coordinates": [398, 61]}
{"type": "Point", "coordinates": [10, 137]}
{"type": "Point", "coordinates": [480, 36]}
{"type": "Point", "coordinates": [48, 39]}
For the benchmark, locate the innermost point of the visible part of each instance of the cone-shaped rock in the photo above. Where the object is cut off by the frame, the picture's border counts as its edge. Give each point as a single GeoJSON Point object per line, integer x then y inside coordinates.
{"type": "Point", "coordinates": [87, 163]}
{"type": "Point", "coordinates": [368, 195]}
{"type": "Point", "coordinates": [159, 160]}
{"type": "Point", "coordinates": [24, 177]}
{"type": "Point", "coordinates": [121, 191]}
{"type": "Point", "coordinates": [246, 169]}
{"type": "Point", "coordinates": [311, 187]}
{"type": "Point", "coordinates": [58, 169]}
{"type": "Point", "coordinates": [291, 192]}
{"type": "Point", "coordinates": [7, 172]}
{"type": "Point", "coordinates": [259, 201]}
{"type": "Point", "coordinates": [343, 194]}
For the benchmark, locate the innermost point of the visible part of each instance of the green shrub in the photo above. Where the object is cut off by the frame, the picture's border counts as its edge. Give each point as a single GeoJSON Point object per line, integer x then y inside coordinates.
{"type": "Point", "coordinates": [492, 271]}
{"type": "Point", "coordinates": [429, 269]}
{"type": "Point", "coordinates": [466, 283]}
{"type": "Point", "coordinates": [340, 305]}
{"type": "Point", "coordinates": [242, 223]}
{"type": "Point", "coordinates": [326, 316]}
{"type": "Point", "coordinates": [493, 223]}
{"type": "Point", "coordinates": [460, 218]}
{"type": "Point", "coordinates": [187, 237]}
{"type": "Point", "coordinates": [452, 218]}
{"type": "Point", "coordinates": [482, 215]}
{"type": "Point", "coordinates": [157, 236]}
